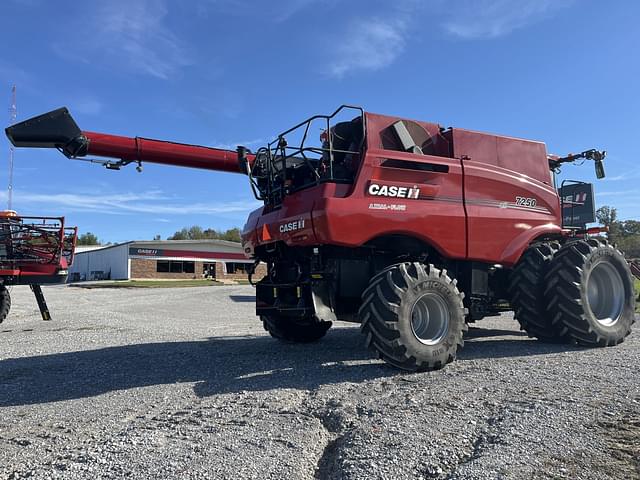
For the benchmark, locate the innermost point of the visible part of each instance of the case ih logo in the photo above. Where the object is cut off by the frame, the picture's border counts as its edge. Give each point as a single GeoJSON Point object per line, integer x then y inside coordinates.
{"type": "Point", "coordinates": [393, 191]}
{"type": "Point", "coordinates": [575, 199]}
{"type": "Point", "coordinates": [292, 226]}
{"type": "Point", "coordinates": [150, 252]}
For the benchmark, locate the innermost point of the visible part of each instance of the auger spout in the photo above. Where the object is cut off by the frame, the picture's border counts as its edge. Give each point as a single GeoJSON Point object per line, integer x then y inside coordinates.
{"type": "Point", "coordinates": [57, 129]}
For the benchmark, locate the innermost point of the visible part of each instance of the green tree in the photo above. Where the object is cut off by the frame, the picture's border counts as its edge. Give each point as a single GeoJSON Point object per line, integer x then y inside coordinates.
{"type": "Point", "coordinates": [88, 239]}
{"type": "Point", "coordinates": [196, 232]}
{"type": "Point", "coordinates": [630, 228]}
{"type": "Point", "coordinates": [210, 233]}
{"type": "Point", "coordinates": [630, 246]}
{"type": "Point", "coordinates": [625, 234]}
{"type": "Point", "coordinates": [608, 216]}
{"type": "Point", "coordinates": [231, 235]}
{"type": "Point", "coordinates": [180, 235]}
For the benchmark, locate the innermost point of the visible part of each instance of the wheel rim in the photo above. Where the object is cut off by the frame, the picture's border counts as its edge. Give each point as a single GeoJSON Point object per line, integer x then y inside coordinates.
{"type": "Point", "coordinates": [430, 318]}
{"type": "Point", "coordinates": [605, 294]}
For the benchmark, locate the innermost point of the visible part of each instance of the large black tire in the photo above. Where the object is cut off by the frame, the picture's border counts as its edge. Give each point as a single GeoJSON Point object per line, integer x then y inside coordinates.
{"type": "Point", "coordinates": [526, 289]}
{"type": "Point", "coordinates": [5, 303]}
{"type": "Point", "coordinates": [590, 293]}
{"type": "Point", "coordinates": [295, 330]}
{"type": "Point", "coordinates": [412, 315]}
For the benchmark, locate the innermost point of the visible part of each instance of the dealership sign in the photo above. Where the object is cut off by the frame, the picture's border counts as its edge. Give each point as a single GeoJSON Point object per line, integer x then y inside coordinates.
{"type": "Point", "coordinates": [145, 252]}
{"type": "Point", "coordinates": [192, 254]}
{"type": "Point", "coordinates": [578, 207]}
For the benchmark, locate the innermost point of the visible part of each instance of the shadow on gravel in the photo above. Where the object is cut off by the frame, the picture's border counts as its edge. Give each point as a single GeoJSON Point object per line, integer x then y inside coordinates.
{"type": "Point", "coordinates": [503, 348]}
{"type": "Point", "coordinates": [222, 365]}
{"type": "Point", "coordinates": [218, 365]}
{"type": "Point", "coordinates": [477, 332]}
{"type": "Point", "coordinates": [482, 343]}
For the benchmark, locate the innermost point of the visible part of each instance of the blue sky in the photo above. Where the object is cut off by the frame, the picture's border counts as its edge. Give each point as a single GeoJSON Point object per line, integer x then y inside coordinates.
{"type": "Point", "coordinates": [224, 72]}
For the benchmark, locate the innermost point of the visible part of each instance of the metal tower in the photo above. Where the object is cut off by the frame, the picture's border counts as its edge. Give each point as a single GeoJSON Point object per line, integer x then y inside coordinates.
{"type": "Point", "coordinates": [13, 114]}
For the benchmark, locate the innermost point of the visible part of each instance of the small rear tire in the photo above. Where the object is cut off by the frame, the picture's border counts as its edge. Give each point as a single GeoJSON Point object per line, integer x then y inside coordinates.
{"type": "Point", "coordinates": [5, 303]}
{"type": "Point", "coordinates": [294, 330]}
{"type": "Point", "coordinates": [590, 293]}
{"type": "Point", "coordinates": [412, 316]}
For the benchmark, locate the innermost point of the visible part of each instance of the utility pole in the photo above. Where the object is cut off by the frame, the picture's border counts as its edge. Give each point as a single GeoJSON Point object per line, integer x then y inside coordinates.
{"type": "Point", "coordinates": [13, 114]}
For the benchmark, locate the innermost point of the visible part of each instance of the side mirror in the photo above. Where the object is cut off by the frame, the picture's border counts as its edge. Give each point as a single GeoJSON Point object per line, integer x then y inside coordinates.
{"type": "Point", "coordinates": [599, 169]}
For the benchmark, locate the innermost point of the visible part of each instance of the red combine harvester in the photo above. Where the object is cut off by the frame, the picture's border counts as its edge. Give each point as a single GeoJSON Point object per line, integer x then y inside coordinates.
{"type": "Point", "coordinates": [408, 228]}
{"type": "Point", "coordinates": [33, 251]}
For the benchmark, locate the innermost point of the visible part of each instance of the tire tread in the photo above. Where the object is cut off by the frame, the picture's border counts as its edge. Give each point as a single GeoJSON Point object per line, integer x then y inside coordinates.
{"type": "Point", "coordinates": [379, 314]}
{"type": "Point", "coordinates": [564, 293]}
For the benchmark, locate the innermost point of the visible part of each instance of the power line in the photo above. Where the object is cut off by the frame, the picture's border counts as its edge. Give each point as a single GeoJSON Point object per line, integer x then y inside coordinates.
{"type": "Point", "coordinates": [13, 115]}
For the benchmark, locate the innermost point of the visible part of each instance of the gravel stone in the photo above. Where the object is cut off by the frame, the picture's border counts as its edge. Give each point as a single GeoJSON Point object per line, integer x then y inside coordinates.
{"type": "Point", "coordinates": [185, 383]}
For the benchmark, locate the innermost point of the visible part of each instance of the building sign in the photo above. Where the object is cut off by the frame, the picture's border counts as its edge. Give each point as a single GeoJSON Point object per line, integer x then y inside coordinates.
{"type": "Point", "coordinates": [578, 206]}
{"type": "Point", "coordinates": [146, 252]}
{"type": "Point", "coordinates": [165, 252]}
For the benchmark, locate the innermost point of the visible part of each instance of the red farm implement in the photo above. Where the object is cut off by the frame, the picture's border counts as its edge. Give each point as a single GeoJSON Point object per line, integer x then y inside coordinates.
{"type": "Point", "coordinates": [635, 268]}
{"type": "Point", "coordinates": [33, 251]}
{"type": "Point", "coordinates": [634, 265]}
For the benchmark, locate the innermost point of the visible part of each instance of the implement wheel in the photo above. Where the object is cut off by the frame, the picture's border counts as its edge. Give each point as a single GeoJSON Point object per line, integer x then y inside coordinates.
{"type": "Point", "coordinates": [5, 303]}
{"type": "Point", "coordinates": [413, 317]}
{"type": "Point", "coordinates": [590, 293]}
{"type": "Point", "coordinates": [526, 289]}
{"type": "Point", "coordinates": [295, 330]}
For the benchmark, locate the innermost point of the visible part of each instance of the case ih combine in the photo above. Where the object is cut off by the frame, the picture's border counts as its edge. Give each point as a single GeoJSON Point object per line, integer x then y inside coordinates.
{"type": "Point", "coordinates": [33, 251]}
{"type": "Point", "coordinates": [408, 228]}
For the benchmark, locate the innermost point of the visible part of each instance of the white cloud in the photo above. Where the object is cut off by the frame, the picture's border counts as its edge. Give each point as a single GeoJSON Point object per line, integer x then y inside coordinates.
{"type": "Point", "coordinates": [279, 11]}
{"type": "Point", "coordinates": [152, 202]}
{"type": "Point", "coordinates": [494, 18]}
{"type": "Point", "coordinates": [629, 175]}
{"type": "Point", "coordinates": [375, 41]}
{"type": "Point", "coordinates": [28, 3]}
{"type": "Point", "coordinates": [370, 44]}
{"type": "Point", "coordinates": [14, 75]}
{"type": "Point", "coordinates": [616, 193]}
{"type": "Point", "coordinates": [290, 8]}
{"type": "Point", "coordinates": [87, 106]}
{"type": "Point", "coordinates": [234, 145]}
{"type": "Point", "coordinates": [130, 33]}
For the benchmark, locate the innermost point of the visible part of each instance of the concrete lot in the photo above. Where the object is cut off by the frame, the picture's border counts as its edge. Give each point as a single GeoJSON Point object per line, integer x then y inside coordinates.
{"type": "Point", "coordinates": [184, 383]}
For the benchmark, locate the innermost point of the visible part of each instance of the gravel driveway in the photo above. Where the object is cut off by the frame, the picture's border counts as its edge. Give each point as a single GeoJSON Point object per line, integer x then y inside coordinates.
{"type": "Point", "coordinates": [184, 383]}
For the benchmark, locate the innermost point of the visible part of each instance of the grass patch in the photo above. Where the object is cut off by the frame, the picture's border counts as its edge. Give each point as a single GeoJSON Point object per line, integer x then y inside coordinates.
{"type": "Point", "coordinates": [151, 284]}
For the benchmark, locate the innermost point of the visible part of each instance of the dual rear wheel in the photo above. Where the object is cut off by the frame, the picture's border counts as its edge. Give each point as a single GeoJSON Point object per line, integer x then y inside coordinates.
{"type": "Point", "coordinates": [582, 292]}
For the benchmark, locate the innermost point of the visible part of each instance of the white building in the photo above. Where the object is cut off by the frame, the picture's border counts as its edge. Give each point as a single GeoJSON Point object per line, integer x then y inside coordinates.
{"type": "Point", "coordinates": [163, 259]}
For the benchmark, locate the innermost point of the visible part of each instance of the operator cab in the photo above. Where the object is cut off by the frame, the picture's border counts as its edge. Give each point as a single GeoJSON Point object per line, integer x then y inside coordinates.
{"type": "Point", "coordinates": [346, 145]}
{"type": "Point", "coordinates": [295, 160]}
